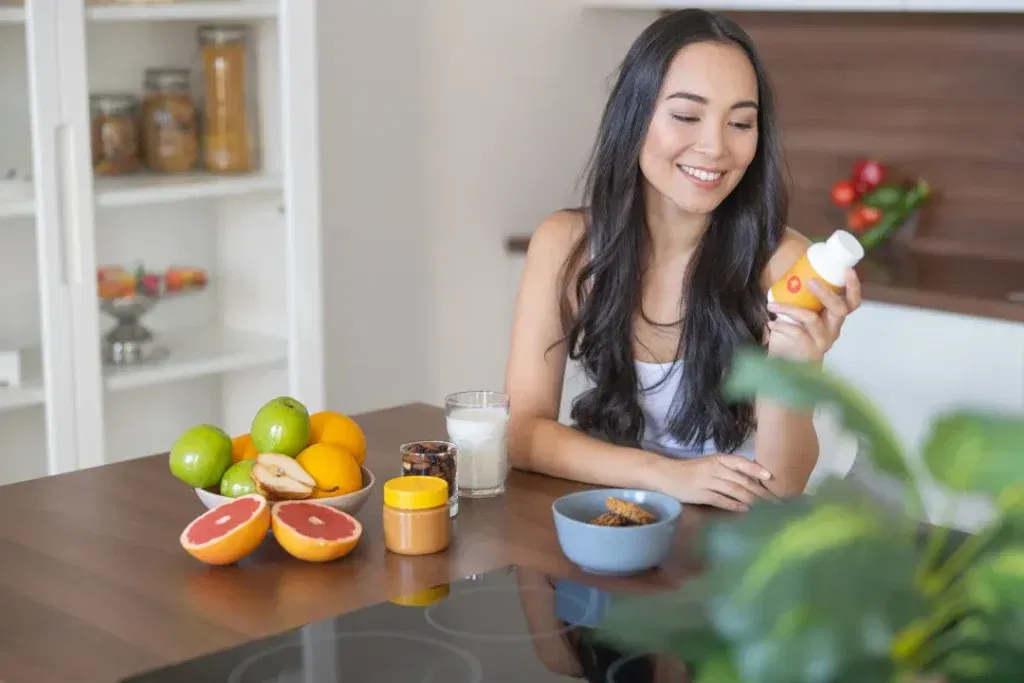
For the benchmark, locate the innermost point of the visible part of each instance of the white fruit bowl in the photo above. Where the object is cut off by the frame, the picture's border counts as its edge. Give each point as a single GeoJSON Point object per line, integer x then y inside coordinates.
{"type": "Point", "coordinates": [350, 502]}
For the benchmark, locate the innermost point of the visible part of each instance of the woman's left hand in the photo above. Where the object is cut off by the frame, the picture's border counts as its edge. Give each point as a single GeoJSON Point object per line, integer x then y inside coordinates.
{"type": "Point", "coordinates": [813, 334]}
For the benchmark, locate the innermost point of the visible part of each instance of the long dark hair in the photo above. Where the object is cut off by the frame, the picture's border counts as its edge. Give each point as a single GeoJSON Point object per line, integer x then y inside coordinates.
{"type": "Point", "coordinates": [725, 302]}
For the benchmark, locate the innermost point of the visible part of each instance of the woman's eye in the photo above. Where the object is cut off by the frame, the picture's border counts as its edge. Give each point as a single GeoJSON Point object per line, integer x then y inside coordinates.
{"type": "Point", "coordinates": [743, 126]}
{"type": "Point", "coordinates": [683, 118]}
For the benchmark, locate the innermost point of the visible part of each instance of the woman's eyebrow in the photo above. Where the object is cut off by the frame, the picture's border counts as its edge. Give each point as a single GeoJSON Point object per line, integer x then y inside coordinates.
{"type": "Point", "coordinates": [700, 99]}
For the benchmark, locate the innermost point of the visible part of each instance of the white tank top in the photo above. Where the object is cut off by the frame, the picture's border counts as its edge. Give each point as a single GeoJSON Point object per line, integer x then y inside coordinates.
{"type": "Point", "coordinates": [656, 396]}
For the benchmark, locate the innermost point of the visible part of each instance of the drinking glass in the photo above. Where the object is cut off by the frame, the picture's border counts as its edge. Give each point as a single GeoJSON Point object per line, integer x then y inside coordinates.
{"type": "Point", "coordinates": [477, 423]}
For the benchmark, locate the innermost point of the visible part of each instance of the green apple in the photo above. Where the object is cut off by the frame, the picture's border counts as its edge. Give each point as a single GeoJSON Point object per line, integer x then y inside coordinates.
{"type": "Point", "coordinates": [237, 480]}
{"type": "Point", "coordinates": [201, 455]}
{"type": "Point", "coordinates": [281, 426]}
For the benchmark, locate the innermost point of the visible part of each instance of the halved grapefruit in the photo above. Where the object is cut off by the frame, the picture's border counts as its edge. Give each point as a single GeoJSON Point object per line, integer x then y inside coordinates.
{"type": "Point", "coordinates": [228, 532]}
{"type": "Point", "coordinates": [313, 531]}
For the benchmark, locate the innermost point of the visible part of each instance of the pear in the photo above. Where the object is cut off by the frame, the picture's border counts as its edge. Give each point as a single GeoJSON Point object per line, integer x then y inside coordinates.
{"type": "Point", "coordinates": [279, 477]}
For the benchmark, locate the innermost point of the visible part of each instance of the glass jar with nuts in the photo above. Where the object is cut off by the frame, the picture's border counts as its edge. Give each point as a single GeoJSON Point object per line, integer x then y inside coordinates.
{"type": "Point", "coordinates": [115, 135]}
{"type": "Point", "coordinates": [170, 121]}
{"type": "Point", "coordinates": [434, 459]}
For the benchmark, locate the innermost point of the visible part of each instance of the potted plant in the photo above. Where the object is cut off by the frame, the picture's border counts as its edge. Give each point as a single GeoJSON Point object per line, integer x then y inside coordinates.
{"type": "Point", "coordinates": [834, 588]}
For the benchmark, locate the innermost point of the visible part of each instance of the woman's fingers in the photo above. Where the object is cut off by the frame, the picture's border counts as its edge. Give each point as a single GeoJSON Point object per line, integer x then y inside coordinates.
{"type": "Point", "coordinates": [733, 489]}
{"type": "Point", "coordinates": [853, 295]}
{"type": "Point", "coordinates": [740, 464]}
{"type": "Point", "coordinates": [724, 502]}
{"type": "Point", "coordinates": [836, 307]}
{"type": "Point", "coordinates": [754, 486]}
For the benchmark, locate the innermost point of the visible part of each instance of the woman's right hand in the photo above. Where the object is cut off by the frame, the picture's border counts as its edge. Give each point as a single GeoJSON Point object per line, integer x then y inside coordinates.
{"type": "Point", "coordinates": [726, 481]}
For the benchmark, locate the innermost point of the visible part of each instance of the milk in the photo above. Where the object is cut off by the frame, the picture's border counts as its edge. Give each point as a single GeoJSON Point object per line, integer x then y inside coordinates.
{"type": "Point", "coordinates": [481, 435]}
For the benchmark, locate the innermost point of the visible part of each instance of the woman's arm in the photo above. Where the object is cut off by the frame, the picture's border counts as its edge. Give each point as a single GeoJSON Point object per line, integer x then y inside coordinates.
{"type": "Point", "coordinates": [534, 377]}
{"type": "Point", "coordinates": [786, 442]}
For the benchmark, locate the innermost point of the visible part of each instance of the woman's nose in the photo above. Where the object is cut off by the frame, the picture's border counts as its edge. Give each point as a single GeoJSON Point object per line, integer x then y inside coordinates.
{"type": "Point", "coordinates": [711, 142]}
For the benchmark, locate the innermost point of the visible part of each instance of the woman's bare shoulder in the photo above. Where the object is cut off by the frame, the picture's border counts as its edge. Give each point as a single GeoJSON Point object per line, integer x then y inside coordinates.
{"type": "Point", "coordinates": [557, 234]}
{"type": "Point", "coordinates": [791, 247]}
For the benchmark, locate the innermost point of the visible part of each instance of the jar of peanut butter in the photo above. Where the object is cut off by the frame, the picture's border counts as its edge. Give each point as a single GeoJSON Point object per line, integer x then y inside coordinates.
{"type": "Point", "coordinates": [416, 520]}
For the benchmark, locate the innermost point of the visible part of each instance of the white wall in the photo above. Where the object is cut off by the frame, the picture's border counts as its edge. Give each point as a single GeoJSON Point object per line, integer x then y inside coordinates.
{"type": "Point", "coordinates": [448, 126]}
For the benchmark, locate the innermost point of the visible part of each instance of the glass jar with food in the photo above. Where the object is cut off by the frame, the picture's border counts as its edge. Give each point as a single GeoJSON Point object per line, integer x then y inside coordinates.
{"type": "Point", "coordinates": [415, 516]}
{"type": "Point", "coordinates": [170, 137]}
{"type": "Point", "coordinates": [226, 143]}
{"type": "Point", "coordinates": [115, 135]}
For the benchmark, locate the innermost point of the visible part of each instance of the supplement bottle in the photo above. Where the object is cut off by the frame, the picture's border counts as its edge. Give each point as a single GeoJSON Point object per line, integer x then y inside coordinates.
{"type": "Point", "coordinates": [827, 261]}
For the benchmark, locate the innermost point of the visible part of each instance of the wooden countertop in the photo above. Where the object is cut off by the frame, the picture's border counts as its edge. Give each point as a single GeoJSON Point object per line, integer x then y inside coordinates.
{"type": "Point", "coordinates": [94, 586]}
{"type": "Point", "coordinates": [972, 285]}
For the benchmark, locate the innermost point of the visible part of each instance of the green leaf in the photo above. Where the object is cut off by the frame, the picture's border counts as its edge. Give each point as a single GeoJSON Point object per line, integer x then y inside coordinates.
{"type": "Point", "coordinates": [972, 452]}
{"type": "Point", "coordinates": [807, 589]}
{"type": "Point", "coordinates": [803, 385]}
{"type": "Point", "coordinates": [885, 196]}
{"type": "Point", "coordinates": [975, 660]}
{"type": "Point", "coordinates": [997, 583]}
{"type": "Point", "coordinates": [716, 669]}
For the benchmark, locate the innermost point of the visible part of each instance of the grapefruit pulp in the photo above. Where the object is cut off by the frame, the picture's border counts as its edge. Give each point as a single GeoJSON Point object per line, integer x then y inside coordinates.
{"type": "Point", "coordinates": [314, 532]}
{"type": "Point", "coordinates": [228, 532]}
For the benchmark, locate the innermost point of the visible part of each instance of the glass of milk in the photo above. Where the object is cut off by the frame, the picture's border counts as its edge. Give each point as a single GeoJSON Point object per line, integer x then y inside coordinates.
{"type": "Point", "coordinates": [478, 424]}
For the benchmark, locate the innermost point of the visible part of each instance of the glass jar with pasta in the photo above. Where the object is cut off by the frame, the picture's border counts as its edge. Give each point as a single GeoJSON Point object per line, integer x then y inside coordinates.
{"type": "Point", "coordinates": [170, 138]}
{"type": "Point", "coordinates": [226, 143]}
{"type": "Point", "coordinates": [115, 136]}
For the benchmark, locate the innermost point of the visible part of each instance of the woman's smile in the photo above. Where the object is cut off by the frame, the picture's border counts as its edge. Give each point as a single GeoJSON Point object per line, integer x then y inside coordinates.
{"type": "Point", "coordinates": [703, 178]}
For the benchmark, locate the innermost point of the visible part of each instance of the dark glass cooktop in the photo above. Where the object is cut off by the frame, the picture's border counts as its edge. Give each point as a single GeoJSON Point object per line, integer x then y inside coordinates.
{"type": "Point", "coordinates": [512, 624]}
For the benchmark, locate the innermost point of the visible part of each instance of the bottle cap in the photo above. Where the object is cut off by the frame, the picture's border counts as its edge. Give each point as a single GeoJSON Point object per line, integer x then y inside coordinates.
{"type": "Point", "coordinates": [844, 249]}
{"type": "Point", "coordinates": [415, 492]}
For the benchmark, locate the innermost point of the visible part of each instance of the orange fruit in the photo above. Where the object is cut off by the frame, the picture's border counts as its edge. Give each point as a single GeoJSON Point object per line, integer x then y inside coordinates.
{"type": "Point", "coordinates": [228, 532]}
{"type": "Point", "coordinates": [314, 532]}
{"type": "Point", "coordinates": [340, 431]}
{"type": "Point", "coordinates": [335, 471]}
{"type": "Point", "coordinates": [317, 422]}
{"type": "Point", "coordinates": [242, 448]}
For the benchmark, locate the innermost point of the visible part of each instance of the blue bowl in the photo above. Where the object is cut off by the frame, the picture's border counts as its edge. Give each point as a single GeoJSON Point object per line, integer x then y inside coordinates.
{"type": "Point", "coordinates": [616, 551]}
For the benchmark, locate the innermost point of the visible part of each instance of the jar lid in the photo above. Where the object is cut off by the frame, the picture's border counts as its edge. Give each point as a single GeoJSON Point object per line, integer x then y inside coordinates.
{"type": "Point", "coordinates": [222, 35]}
{"type": "Point", "coordinates": [112, 104]}
{"type": "Point", "coordinates": [168, 78]}
{"type": "Point", "coordinates": [415, 492]}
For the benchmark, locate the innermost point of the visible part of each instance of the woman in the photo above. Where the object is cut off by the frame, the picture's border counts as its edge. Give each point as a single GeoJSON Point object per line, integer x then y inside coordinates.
{"type": "Point", "coordinates": [661, 276]}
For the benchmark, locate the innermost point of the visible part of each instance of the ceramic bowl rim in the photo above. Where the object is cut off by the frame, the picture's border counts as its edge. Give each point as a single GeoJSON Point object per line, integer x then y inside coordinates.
{"type": "Point", "coordinates": [326, 501]}
{"type": "Point", "coordinates": [665, 521]}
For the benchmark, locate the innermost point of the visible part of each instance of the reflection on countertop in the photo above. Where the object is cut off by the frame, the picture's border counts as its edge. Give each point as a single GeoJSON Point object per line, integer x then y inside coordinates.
{"type": "Point", "coordinates": [970, 285]}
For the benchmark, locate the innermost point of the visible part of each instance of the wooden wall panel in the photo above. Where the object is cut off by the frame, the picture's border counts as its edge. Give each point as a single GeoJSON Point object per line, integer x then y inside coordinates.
{"type": "Point", "coordinates": [937, 95]}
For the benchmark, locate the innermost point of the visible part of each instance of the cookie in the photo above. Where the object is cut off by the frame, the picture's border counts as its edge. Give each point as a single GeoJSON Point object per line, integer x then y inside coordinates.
{"type": "Point", "coordinates": [610, 519]}
{"type": "Point", "coordinates": [631, 511]}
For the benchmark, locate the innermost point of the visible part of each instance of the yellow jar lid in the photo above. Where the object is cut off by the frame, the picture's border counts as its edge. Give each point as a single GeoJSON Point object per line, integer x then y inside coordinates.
{"type": "Point", "coordinates": [415, 492]}
{"type": "Point", "coordinates": [423, 598]}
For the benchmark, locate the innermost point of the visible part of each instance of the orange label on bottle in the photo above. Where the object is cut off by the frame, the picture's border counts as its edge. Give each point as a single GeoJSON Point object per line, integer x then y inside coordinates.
{"type": "Point", "coordinates": [792, 287]}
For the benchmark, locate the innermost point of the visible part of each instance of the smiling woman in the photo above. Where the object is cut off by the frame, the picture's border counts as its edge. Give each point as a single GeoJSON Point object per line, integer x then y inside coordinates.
{"type": "Point", "coordinates": [655, 282]}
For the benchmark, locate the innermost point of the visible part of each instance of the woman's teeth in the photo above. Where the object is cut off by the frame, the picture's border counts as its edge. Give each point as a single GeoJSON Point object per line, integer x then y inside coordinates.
{"type": "Point", "coordinates": [702, 175]}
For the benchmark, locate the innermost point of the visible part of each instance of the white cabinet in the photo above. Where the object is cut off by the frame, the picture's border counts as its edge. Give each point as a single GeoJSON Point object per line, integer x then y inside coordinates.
{"type": "Point", "coordinates": [255, 333]}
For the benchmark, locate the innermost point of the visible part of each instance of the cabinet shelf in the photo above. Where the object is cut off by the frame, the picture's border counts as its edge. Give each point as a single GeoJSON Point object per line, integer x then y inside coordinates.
{"type": "Point", "coordinates": [158, 189]}
{"type": "Point", "coordinates": [197, 353]}
{"type": "Point", "coordinates": [194, 353]}
{"type": "Point", "coordinates": [31, 391]}
{"type": "Point", "coordinates": [188, 10]}
{"type": "Point", "coordinates": [12, 15]}
{"type": "Point", "coordinates": [142, 190]}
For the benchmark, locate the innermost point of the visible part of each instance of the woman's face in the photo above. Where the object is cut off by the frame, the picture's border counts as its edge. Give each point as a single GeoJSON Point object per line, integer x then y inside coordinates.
{"type": "Point", "coordinates": [703, 134]}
